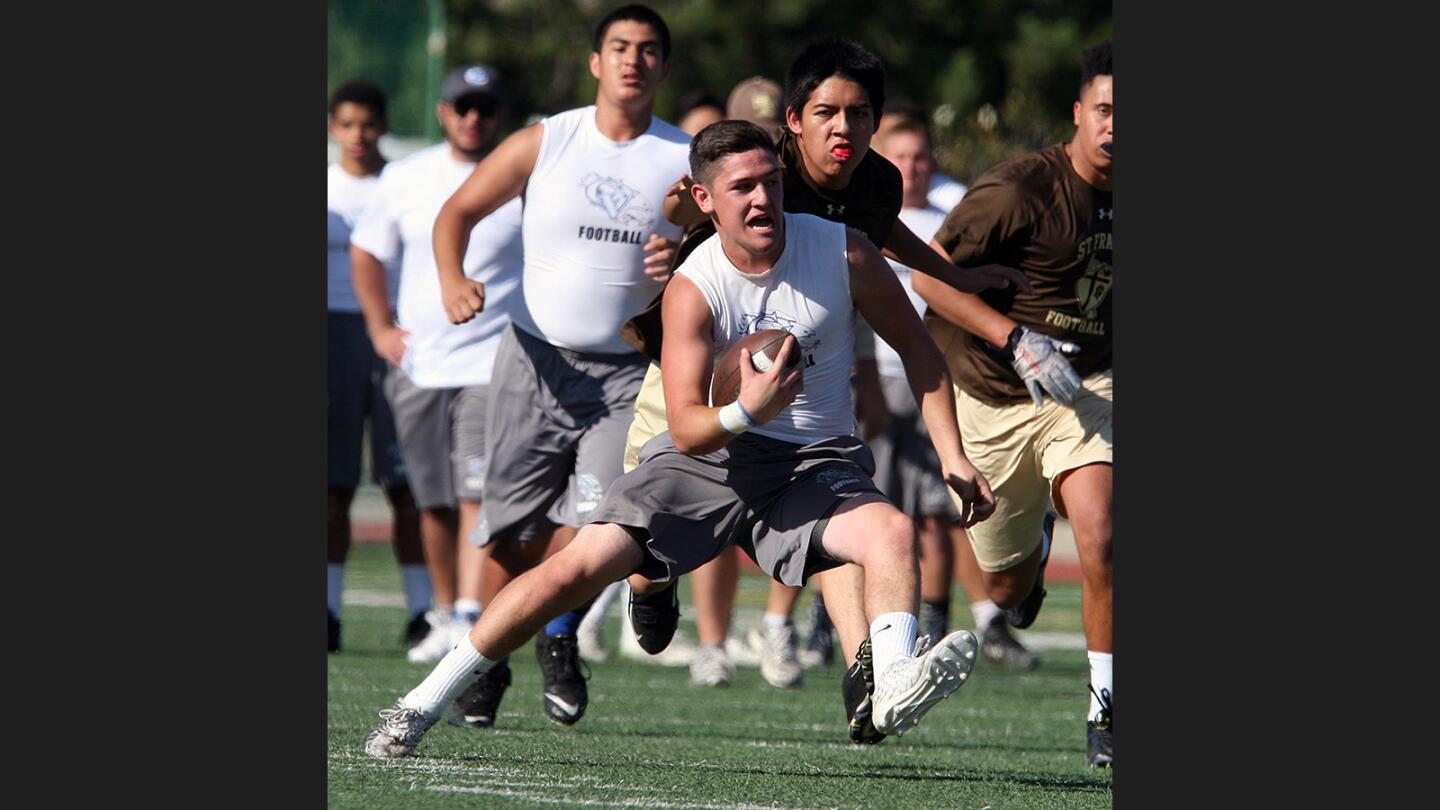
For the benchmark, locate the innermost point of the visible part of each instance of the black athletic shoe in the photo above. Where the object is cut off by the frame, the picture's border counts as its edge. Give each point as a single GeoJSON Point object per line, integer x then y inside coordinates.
{"type": "Point", "coordinates": [333, 631]}
{"type": "Point", "coordinates": [416, 630]}
{"type": "Point", "coordinates": [1101, 734]}
{"type": "Point", "coordinates": [1023, 615]}
{"type": "Point", "coordinates": [566, 694]}
{"type": "Point", "coordinates": [1001, 648]}
{"type": "Point", "coordinates": [479, 704]}
{"type": "Point", "coordinates": [855, 688]}
{"type": "Point", "coordinates": [655, 617]}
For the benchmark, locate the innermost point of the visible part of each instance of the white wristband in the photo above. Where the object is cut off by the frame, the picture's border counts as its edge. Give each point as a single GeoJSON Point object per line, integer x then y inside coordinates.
{"type": "Point", "coordinates": [734, 418]}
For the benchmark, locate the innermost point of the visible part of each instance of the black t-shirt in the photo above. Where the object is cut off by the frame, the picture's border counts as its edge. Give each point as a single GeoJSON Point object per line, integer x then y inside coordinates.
{"type": "Point", "coordinates": [1035, 213]}
{"type": "Point", "coordinates": [870, 203]}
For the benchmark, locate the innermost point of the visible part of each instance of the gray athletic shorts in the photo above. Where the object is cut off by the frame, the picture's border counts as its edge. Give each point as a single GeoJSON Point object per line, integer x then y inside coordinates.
{"type": "Point", "coordinates": [907, 468]}
{"type": "Point", "coordinates": [442, 433]}
{"type": "Point", "coordinates": [763, 495]}
{"type": "Point", "coordinates": [557, 426]}
{"type": "Point", "coordinates": [355, 392]}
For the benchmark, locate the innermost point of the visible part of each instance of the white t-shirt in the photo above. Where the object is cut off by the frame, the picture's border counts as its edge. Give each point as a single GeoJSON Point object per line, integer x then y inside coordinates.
{"type": "Point", "coordinates": [945, 193]}
{"type": "Point", "coordinates": [346, 197]}
{"type": "Point", "coordinates": [924, 222]}
{"type": "Point", "coordinates": [590, 207]}
{"type": "Point", "coordinates": [807, 292]}
{"type": "Point", "coordinates": [439, 354]}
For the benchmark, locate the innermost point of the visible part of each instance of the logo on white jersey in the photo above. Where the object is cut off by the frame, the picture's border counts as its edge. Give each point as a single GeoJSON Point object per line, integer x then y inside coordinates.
{"type": "Point", "coordinates": [619, 202]}
{"type": "Point", "coordinates": [804, 336]}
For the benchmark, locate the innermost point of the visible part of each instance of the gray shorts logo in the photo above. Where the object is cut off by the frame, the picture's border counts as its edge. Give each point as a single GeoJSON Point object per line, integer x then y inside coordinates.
{"type": "Point", "coordinates": [588, 493]}
{"type": "Point", "coordinates": [475, 472]}
{"type": "Point", "coordinates": [837, 480]}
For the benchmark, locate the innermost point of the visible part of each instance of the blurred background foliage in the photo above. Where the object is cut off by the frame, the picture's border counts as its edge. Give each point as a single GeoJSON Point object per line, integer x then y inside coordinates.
{"type": "Point", "coordinates": [997, 77]}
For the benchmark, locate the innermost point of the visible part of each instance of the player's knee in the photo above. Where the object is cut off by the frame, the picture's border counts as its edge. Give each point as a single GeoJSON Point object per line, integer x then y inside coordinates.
{"type": "Point", "coordinates": [1093, 535]}
{"type": "Point", "coordinates": [1005, 592]}
{"type": "Point", "coordinates": [896, 539]}
{"type": "Point", "coordinates": [557, 574]}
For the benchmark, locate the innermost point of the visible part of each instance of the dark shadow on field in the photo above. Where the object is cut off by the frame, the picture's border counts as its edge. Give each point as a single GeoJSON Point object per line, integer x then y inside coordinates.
{"type": "Point", "coordinates": [901, 773]}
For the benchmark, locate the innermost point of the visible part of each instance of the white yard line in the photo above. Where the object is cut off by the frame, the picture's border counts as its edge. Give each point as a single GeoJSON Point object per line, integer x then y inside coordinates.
{"type": "Point", "coordinates": [540, 798]}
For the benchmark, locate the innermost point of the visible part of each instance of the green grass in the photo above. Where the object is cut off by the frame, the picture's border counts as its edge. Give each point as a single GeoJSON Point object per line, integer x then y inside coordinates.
{"type": "Point", "coordinates": [649, 739]}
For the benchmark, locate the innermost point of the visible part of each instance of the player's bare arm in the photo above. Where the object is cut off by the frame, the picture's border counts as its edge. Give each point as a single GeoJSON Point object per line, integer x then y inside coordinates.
{"type": "Point", "coordinates": [367, 276]}
{"type": "Point", "coordinates": [679, 207]}
{"type": "Point", "coordinates": [880, 298]}
{"type": "Point", "coordinates": [905, 247]}
{"type": "Point", "coordinates": [496, 180]}
{"type": "Point", "coordinates": [965, 310]}
{"type": "Point", "coordinates": [686, 364]}
{"type": "Point", "coordinates": [1038, 359]}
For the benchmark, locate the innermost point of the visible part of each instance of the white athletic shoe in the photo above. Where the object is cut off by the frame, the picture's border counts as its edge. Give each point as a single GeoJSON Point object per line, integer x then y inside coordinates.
{"type": "Point", "coordinates": [446, 630]}
{"type": "Point", "coordinates": [711, 667]}
{"type": "Point", "coordinates": [679, 653]}
{"type": "Point", "coordinates": [809, 658]}
{"type": "Point", "coordinates": [778, 664]}
{"type": "Point", "coordinates": [592, 642]}
{"type": "Point", "coordinates": [399, 732]}
{"type": "Point", "coordinates": [910, 687]}
{"type": "Point", "coordinates": [741, 652]}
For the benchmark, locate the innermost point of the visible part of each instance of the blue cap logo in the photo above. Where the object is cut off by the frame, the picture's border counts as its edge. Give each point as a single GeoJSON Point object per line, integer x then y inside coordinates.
{"type": "Point", "coordinates": [477, 76]}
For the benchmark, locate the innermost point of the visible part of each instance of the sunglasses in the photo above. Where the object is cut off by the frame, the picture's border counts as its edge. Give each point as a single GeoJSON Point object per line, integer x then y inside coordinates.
{"type": "Point", "coordinates": [487, 105]}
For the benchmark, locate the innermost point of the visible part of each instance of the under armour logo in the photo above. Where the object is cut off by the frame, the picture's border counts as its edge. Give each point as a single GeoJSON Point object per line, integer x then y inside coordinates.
{"type": "Point", "coordinates": [1107, 213]}
{"type": "Point", "coordinates": [833, 210]}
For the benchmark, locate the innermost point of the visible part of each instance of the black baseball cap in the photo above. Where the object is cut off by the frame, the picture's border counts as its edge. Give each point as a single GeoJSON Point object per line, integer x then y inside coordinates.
{"type": "Point", "coordinates": [471, 79]}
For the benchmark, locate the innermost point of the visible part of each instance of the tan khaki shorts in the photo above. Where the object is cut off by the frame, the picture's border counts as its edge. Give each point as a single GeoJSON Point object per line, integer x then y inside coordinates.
{"type": "Point", "coordinates": [1021, 452]}
{"type": "Point", "coordinates": [649, 420]}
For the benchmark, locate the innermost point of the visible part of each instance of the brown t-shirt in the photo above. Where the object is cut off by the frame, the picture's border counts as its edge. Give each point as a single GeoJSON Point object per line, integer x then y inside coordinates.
{"type": "Point", "coordinates": [870, 203]}
{"type": "Point", "coordinates": [1035, 213]}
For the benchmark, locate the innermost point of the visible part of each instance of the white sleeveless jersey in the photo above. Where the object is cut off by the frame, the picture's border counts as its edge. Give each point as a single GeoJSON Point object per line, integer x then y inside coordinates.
{"type": "Point", "coordinates": [401, 220]}
{"type": "Point", "coordinates": [923, 222]}
{"type": "Point", "coordinates": [590, 207]}
{"type": "Point", "coordinates": [346, 197]}
{"type": "Point", "coordinates": [807, 293]}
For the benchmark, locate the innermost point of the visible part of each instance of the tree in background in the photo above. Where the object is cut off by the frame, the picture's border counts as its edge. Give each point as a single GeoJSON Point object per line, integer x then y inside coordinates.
{"type": "Point", "coordinates": [997, 76]}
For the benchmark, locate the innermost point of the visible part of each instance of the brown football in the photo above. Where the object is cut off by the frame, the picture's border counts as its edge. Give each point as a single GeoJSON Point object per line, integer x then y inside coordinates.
{"type": "Point", "coordinates": [764, 347]}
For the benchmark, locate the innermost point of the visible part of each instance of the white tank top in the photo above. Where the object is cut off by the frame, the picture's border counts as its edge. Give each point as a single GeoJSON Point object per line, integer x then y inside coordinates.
{"type": "Point", "coordinates": [924, 223]}
{"type": "Point", "coordinates": [807, 292]}
{"type": "Point", "coordinates": [590, 207]}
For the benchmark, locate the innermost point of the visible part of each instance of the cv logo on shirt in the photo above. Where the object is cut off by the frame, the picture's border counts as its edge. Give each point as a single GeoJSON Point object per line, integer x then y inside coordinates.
{"type": "Point", "coordinates": [806, 338]}
{"type": "Point", "coordinates": [619, 202]}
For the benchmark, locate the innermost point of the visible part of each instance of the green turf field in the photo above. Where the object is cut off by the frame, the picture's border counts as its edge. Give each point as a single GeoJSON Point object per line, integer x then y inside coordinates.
{"type": "Point", "coordinates": [650, 740]}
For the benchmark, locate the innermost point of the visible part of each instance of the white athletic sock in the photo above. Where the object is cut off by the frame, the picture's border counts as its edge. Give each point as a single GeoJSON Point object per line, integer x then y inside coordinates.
{"type": "Point", "coordinates": [1101, 678]}
{"type": "Point", "coordinates": [603, 602]}
{"type": "Point", "coordinates": [457, 670]}
{"type": "Point", "coordinates": [769, 620]}
{"type": "Point", "coordinates": [984, 612]}
{"type": "Point", "coordinates": [418, 592]}
{"type": "Point", "coordinates": [335, 584]}
{"type": "Point", "coordinates": [892, 637]}
{"type": "Point", "coordinates": [467, 609]}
